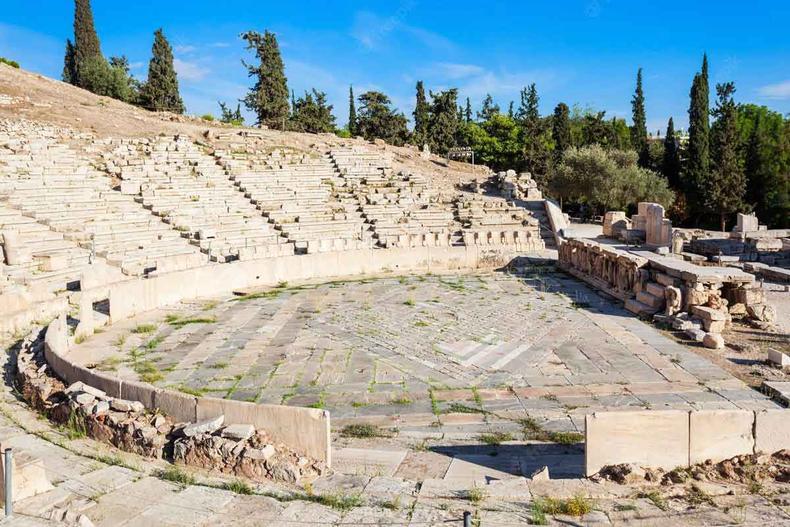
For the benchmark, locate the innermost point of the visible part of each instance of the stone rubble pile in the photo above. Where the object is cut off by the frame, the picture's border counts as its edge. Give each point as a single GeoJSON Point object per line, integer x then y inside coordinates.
{"type": "Point", "coordinates": [517, 186]}
{"type": "Point", "coordinates": [210, 444]}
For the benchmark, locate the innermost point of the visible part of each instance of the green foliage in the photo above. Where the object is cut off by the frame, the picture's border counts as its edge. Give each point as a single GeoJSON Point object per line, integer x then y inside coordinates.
{"type": "Point", "coordinates": [489, 109]}
{"type": "Point", "coordinates": [339, 501]}
{"type": "Point", "coordinates": [176, 475]}
{"type": "Point", "coordinates": [671, 162]}
{"type": "Point", "coordinates": [207, 117]}
{"type": "Point", "coordinates": [100, 77]}
{"type": "Point", "coordinates": [576, 506]}
{"type": "Point", "coordinates": [495, 438]}
{"type": "Point", "coordinates": [639, 128]}
{"type": "Point", "coordinates": [228, 116]}
{"type": "Point", "coordinates": [534, 134]}
{"type": "Point", "coordinates": [160, 92]}
{"type": "Point", "coordinates": [725, 187]}
{"type": "Point", "coordinates": [268, 98]}
{"type": "Point", "coordinates": [69, 64]}
{"type": "Point", "coordinates": [468, 111]}
{"type": "Point", "coordinates": [75, 426]}
{"type": "Point", "coordinates": [561, 131]}
{"type": "Point", "coordinates": [239, 487]}
{"type": "Point", "coordinates": [443, 121]}
{"type": "Point", "coordinates": [496, 141]}
{"type": "Point", "coordinates": [476, 495]}
{"type": "Point", "coordinates": [141, 329]}
{"type": "Point", "coordinates": [352, 113]}
{"type": "Point", "coordinates": [422, 116]}
{"type": "Point", "coordinates": [86, 44]}
{"type": "Point", "coordinates": [765, 149]}
{"type": "Point", "coordinates": [360, 431]}
{"type": "Point", "coordinates": [607, 179]}
{"type": "Point", "coordinates": [697, 166]}
{"type": "Point", "coordinates": [9, 62]}
{"type": "Point", "coordinates": [376, 120]}
{"type": "Point", "coordinates": [312, 114]}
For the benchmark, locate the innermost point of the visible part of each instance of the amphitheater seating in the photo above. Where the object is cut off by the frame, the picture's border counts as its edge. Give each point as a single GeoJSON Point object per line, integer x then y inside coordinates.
{"type": "Point", "coordinates": [50, 183]}
{"type": "Point", "coordinates": [188, 190]}
{"type": "Point", "coordinates": [302, 195]}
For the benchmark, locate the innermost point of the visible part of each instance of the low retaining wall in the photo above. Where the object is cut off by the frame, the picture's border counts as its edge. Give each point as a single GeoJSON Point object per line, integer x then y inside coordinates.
{"type": "Point", "coordinates": [136, 296]}
{"type": "Point", "coordinates": [676, 438]}
{"type": "Point", "coordinates": [304, 430]}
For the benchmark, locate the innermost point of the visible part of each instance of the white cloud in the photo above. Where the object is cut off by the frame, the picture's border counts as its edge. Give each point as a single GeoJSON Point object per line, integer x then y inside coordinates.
{"type": "Point", "coordinates": [184, 49]}
{"type": "Point", "coordinates": [190, 71]}
{"type": "Point", "coordinates": [779, 90]}
{"type": "Point", "coordinates": [457, 71]}
{"type": "Point", "coordinates": [372, 30]}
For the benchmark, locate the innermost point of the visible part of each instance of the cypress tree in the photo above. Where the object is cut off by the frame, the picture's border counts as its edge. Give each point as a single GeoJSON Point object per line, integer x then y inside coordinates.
{"type": "Point", "coordinates": [160, 92]}
{"type": "Point", "coordinates": [698, 163]}
{"type": "Point", "coordinates": [70, 64]}
{"type": "Point", "coordinates": [639, 128]}
{"type": "Point", "coordinates": [535, 152]}
{"type": "Point", "coordinates": [422, 116]}
{"type": "Point", "coordinates": [561, 131]}
{"type": "Point", "coordinates": [86, 41]}
{"type": "Point", "coordinates": [293, 102]}
{"type": "Point", "coordinates": [268, 97]}
{"type": "Point", "coordinates": [377, 120]}
{"type": "Point", "coordinates": [468, 111]}
{"type": "Point", "coordinates": [443, 121]}
{"type": "Point", "coordinates": [352, 113]}
{"type": "Point", "coordinates": [725, 187]}
{"type": "Point", "coordinates": [510, 112]}
{"type": "Point", "coordinates": [671, 163]}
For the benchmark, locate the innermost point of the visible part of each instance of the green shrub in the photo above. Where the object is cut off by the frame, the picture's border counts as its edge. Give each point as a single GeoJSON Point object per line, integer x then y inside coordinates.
{"type": "Point", "coordinates": [176, 475]}
{"type": "Point", "coordinates": [12, 63]}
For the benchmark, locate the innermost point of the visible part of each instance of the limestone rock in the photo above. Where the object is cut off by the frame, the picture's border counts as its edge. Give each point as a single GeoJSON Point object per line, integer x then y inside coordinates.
{"type": "Point", "coordinates": [542, 474]}
{"type": "Point", "coordinates": [238, 432]}
{"type": "Point", "coordinates": [209, 426]}
{"type": "Point", "coordinates": [713, 341]}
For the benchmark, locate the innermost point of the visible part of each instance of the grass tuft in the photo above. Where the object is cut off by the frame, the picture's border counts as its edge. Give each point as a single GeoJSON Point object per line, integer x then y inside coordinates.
{"type": "Point", "coordinates": [176, 475]}
{"type": "Point", "coordinates": [495, 438]}
{"type": "Point", "coordinates": [360, 431]}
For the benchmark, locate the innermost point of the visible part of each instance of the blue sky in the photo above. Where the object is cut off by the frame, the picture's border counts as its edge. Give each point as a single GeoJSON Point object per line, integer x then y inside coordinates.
{"type": "Point", "coordinates": [582, 51]}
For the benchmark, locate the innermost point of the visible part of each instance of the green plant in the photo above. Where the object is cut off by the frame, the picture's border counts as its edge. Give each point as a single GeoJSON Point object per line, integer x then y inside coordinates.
{"type": "Point", "coordinates": [207, 117]}
{"type": "Point", "coordinates": [578, 505]}
{"type": "Point", "coordinates": [409, 302]}
{"type": "Point", "coordinates": [495, 438]}
{"type": "Point", "coordinates": [360, 430]}
{"type": "Point", "coordinates": [196, 320]}
{"type": "Point", "coordinates": [402, 400]}
{"type": "Point", "coordinates": [176, 475]}
{"type": "Point", "coordinates": [393, 504]}
{"type": "Point", "coordinates": [144, 328]}
{"type": "Point", "coordinates": [154, 343]}
{"type": "Point", "coordinates": [197, 392]}
{"type": "Point", "coordinates": [656, 498]}
{"type": "Point", "coordinates": [12, 63]}
{"type": "Point", "coordinates": [75, 426]}
{"type": "Point", "coordinates": [538, 515]}
{"type": "Point", "coordinates": [339, 501]}
{"type": "Point", "coordinates": [239, 487]}
{"type": "Point", "coordinates": [476, 495]}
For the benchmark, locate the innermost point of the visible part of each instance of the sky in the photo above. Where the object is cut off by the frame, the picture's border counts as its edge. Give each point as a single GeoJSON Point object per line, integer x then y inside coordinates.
{"type": "Point", "coordinates": [583, 52]}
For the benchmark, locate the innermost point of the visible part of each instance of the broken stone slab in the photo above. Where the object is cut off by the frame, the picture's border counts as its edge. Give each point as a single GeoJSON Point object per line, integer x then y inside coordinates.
{"type": "Point", "coordinates": [265, 453]}
{"type": "Point", "coordinates": [778, 358]}
{"type": "Point", "coordinates": [238, 432]}
{"type": "Point", "coordinates": [122, 405]}
{"type": "Point", "coordinates": [80, 386]}
{"type": "Point", "coordinates": [83, 399]}
{"type": "Point", "coordinates": [542, 474]}
{"type": "Point", "coordinates": [100, 407]}
{"type": "Point", "coordinates": [209, 426]}
{"type": "Point", "coordinates": [762, 312]}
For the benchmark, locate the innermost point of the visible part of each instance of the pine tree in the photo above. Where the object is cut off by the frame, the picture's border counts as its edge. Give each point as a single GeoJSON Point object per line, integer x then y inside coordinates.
{"type": "Point", "coordinates": [352, 113]}
{"type": "Point", "coordinates": [268, 98]}
{"type": "Point", "coordinates": [488, 110]}
{"type": "Point", "coordinates": [468, 111]}
{"type": "Point", "coordinates": [725, 187]}
{"type": "Point", "coordinates": [312, 114]}
{"type": "Point", "coordinates": [639, 128]}
{"type": "Point", "coordinates": [561, 131]}
{"type": "Point", "coordinates": [698, 157]}
{"type": "Point", "coordinates": [528, 109]}
{"type": "Point", "coordinates": [422, 116]}
{"type": "Point", "coordinates": [671, 164]}
{"type": "Point", "coordinates": [160, 92]}
{"type": "Point", "coordinates": [70, 64]}
{"type": "Point", "coordinates": [377, 120]}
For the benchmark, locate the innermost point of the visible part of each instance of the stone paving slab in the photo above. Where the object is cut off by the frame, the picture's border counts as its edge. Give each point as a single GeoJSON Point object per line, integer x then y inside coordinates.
{"type": "Point", "coordinates": [367, 461]}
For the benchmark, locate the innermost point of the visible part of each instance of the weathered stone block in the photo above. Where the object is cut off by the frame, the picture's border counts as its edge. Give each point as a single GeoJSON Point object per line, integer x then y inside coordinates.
{"type": "Point", "coordinates": [713, 341]}
{"type": "Point", "coordinates": [778, 358]}
{"type": "Point", "coordinates": [179, 406]}
{"type": "Point", "coordinates": [657, 439]}
{"type": "Point", "coordinates": [772, 430]}
{"type": "Point", "coordinates": [720, 434]}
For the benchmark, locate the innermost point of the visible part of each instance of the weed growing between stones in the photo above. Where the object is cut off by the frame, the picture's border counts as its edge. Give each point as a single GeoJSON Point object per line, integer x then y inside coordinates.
{"type": "Point", "coordinates": [476, 495]}
{"type": "Point", "coordinates": [495, 438]}
{"type": "Point", "coordinates": [360, 431]}
{"type": "Point", "coordinates": [181, 322]}
{"type": "Point", "coordinates": [656, 498]}
{"type": "Point", "coordinates": [341, 502]}
{"type": "Point", "coordinates": [176, 475]}
{"type": "Point", "coordinates": [143, 329]}
{"type": "Point", "coordinates": [75, 427]}
{"type": "Point", "coordinates": [239, 487]}
{"type": "Point", "coordinates": [578, 505]}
